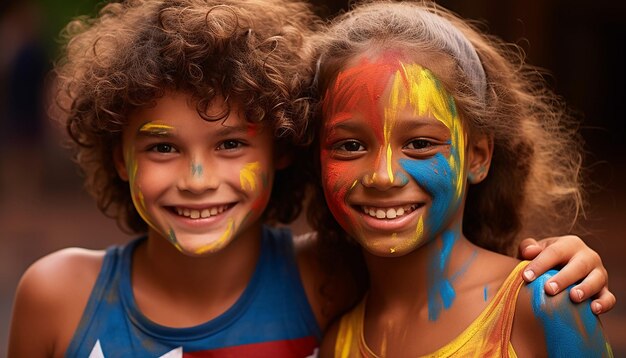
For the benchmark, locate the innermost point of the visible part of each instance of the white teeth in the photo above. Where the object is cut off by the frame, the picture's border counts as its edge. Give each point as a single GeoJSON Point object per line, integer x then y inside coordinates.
{"type": "Point", "coordinates": [388, 213]}
{"type": "Point", "coordinates": [380, 214]}
{"type": "Point", "coordinates": [204, 213]}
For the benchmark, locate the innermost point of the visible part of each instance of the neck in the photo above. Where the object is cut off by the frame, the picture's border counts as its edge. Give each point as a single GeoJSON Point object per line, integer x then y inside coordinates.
{"type": "Point", "coordinates": [423, 279]}
{"type": "Point", "coordinates": [222, 273]}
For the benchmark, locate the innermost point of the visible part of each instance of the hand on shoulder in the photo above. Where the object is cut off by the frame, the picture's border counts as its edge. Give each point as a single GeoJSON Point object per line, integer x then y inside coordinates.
{"type": "Point", "coordinates": [49, 301]}
{"type": "Point", "coordinates": [555, 325]}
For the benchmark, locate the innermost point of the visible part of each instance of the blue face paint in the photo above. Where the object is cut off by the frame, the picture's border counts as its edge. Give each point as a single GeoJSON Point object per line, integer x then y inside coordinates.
{"type": "Point", "coordinates": [485, 292]}
{"type": "Point", "coordinates": [196, 169]}
{"type": "Point", "coordinates": [436, 177]}
{"type": "Point", "coordinates": [571, 329]}
{"type": "Point", "coordinates": [441, 294]}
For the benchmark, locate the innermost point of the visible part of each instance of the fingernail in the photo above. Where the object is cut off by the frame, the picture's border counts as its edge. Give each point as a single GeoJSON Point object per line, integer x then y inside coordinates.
{"type": "Point", "coordinates": [529, 275]}
{"type": "Point", "coordinates": [596, 307]}
{"type": "Point", "coordinates": [554, 287]}
{"type": "Point", "coordinates": [579, 293]}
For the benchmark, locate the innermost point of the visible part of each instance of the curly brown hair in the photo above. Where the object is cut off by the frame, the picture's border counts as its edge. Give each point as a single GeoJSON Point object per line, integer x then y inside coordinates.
{"type": "Point", "coordinates": [254, 51]}
{"type": "Point", "coordinates": [533, 186]}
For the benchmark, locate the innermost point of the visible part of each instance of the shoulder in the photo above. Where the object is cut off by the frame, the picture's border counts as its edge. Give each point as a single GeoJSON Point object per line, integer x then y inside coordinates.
{"type": "Point", "coordinates": [311, 273]}
{"type": "Point", "coordinates": [327, 348]}
{"type": "Point", "coordinates": [556, 325]}
{"type": "Point", "coordinates": [50, 298]}
{"type": "Point", "coordinates": [330, 292]}
{"type": "Point", "coordinates": [66, 269]}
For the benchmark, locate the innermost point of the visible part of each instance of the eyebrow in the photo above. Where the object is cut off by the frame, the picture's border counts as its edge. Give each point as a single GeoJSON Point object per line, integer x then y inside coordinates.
{"type": "Point", "coordinates": [341, 120]}
{"type": "Point", "coordinates": [423, 122]}
{"type": "Point", "coordinates": [226, 131]}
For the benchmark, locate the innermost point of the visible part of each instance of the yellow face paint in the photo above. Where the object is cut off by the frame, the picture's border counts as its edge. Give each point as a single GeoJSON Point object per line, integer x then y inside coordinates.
{"type": "Point", "coordinates": [427, 97]}
{"type": "Point", "coordinates": [156, 129]}
{"type": "Point", "coordinates": [219, 243]}
{"type": "Point", "coordinates": [135, 192]}
{"type": "Point", "coordinates": [248, 176]}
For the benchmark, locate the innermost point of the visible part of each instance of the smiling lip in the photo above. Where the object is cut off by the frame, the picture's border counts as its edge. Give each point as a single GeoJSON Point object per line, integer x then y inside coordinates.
{"type": "Point", "coordinates": [199, 214]}
{"type": "Point", "coordinates": [389, 218]}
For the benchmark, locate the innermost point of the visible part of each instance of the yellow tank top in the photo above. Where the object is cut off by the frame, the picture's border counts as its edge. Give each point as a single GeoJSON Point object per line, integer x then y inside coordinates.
{"type": "Point", "coordinates": [489, 335]}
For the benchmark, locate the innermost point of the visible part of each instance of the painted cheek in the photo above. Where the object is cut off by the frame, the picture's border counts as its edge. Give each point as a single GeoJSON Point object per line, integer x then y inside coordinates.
{"type": "Point", "coordinates": [337, 182]}
{"type": "Point", "coordinates": [436, 177]}
{"type": "Point", "coordinates": [255, 182]}
{"type": "Point", "coordinates": [132, 169]}
{"type": "Point", "coordinates": [248, 176]}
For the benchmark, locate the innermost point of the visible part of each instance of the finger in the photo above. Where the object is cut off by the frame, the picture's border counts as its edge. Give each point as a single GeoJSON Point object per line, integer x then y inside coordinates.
{"type": "Point", "coordinates": [529, 249]}
{"type": "Point", "coordinates": [590, 286]}
{"type": "Point", "coordinates": [550, 257]}
{"type": "Point", "coordinates": [604, 303]}
{"type": "Point", "coordinates": [568, 275]}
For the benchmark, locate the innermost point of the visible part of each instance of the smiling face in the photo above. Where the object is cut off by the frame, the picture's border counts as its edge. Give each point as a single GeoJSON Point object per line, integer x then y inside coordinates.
{"type": "Point", "coordinates": [392, 155]}
{"type": "Point", "coordinates": [199, 184]}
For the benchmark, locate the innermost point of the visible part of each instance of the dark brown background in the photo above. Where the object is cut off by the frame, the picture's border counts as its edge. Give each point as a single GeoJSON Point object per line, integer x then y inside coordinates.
{"type": "Point", "coordinates": [42, 206]}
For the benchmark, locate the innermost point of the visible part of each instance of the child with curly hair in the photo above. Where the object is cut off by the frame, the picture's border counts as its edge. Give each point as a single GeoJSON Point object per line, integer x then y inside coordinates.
{"type": "Point", "coordinates": [437, 150]}
{"type": "Point", "coordinates": [184, 115]}
{"type": "Point", "coordinates": [188, 119]}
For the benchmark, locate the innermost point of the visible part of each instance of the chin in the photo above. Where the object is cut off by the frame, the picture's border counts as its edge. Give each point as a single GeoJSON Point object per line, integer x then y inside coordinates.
{"type": "Point", "coordinates": [202, 244]}
{"type": "Point", "coordinates": [391, 245]}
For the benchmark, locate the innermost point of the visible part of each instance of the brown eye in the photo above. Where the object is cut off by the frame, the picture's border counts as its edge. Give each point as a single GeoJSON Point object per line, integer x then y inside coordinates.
{"type": "Point", "coordinates": [163, 148]}
{"type": "Point", "coordinates": [229, 145]}
{"type": "Point", "coordinates": [351, 146]}
{"type": "Point", "coordinates": [419, 144]}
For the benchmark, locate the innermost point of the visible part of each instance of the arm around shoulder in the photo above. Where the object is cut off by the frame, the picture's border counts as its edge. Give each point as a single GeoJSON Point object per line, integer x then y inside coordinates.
{"type": "Point", "coordinates": [555, 325]}
{"type": "Point", "coordinates": [49, 302]}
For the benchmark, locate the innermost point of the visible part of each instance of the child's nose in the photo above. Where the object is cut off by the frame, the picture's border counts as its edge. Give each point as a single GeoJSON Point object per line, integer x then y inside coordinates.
{"type": "Point", "coordinates": [385, 173]}
{"type": "Point", "coordinates": [198, 177]}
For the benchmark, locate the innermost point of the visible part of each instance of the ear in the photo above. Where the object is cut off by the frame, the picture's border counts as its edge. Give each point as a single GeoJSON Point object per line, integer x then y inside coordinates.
{"type": "Point", "coordinates": [479, 153]}
{"type": "Point", "coordinates": [120, 163]}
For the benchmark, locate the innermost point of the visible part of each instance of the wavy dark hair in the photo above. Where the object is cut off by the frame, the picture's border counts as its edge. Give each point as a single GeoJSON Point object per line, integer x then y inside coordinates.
{"type": "Point", "coordinates": [252, 51]}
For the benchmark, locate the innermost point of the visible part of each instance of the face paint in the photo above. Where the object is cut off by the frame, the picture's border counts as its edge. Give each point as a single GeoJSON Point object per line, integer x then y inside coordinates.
{"type": "Point", "coordinates": [397, 103]}
{"type": "Point", "coordinates": [135, 189]}
{"type": "Point", "coordinates": [248, 176]}
{"type": "Point", "coordinates": [196, 170]}
{"type": "Point", "coordinates": [197, 184]}
{"type": "Point", "coordinates": [378, 95]}
{"type": "Point", "coordinates": [156, 129]}
{"type": "Point", "coordinates": [219, 243]}
{"type": "Point", "coordinates": [571, 330]}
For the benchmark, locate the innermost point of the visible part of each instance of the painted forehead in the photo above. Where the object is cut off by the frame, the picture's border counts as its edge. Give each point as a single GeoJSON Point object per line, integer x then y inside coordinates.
{"type": "Point", "coordinates": [406, 84]}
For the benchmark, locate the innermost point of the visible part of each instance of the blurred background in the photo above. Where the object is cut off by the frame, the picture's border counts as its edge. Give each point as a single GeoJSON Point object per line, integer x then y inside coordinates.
{"type": "Point", "coordinates": [43, 207]}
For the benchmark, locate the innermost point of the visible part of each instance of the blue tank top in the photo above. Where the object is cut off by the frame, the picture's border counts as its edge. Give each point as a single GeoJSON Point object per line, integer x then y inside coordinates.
{"type": "Point", "coordinates": [271, 318]}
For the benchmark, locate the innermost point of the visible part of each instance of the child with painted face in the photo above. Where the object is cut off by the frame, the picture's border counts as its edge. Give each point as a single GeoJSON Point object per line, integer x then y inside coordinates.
{"type": "Point", "coordinates": [184, 116]}
{"type": "Point", "coordinates": [437, 151]}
